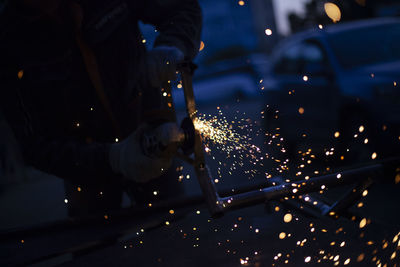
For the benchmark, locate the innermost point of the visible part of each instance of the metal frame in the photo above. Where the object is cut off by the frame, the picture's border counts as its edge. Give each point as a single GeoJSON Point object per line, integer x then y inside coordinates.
{"type": "Point", "coordinates": [217, 205]}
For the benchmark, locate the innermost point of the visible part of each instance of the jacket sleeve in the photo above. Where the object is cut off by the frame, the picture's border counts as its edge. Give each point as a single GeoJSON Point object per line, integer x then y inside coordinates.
{"type": "Point", "coordinates": [178, 22]}
{"type": "Point", "coordinates": [66, 157]}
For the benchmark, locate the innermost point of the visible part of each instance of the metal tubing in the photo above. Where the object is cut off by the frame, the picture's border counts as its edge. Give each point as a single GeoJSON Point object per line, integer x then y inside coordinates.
{"type": "Point", "coordinates": [351, 197]}
{"type": "Point", "coordinates": [202, 172]}
{"type": "Point", "coordinates": [300, 187]}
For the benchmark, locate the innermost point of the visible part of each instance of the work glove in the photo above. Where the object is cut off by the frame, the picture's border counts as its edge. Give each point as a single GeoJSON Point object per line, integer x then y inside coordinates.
{"type": "Point", "coordinates": [146, 153]}
{"type": "Point", "coordinates": [161, 64]}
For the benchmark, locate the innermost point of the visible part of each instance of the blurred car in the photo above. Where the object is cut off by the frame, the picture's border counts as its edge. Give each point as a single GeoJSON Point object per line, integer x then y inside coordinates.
{"type": "Point", "coordinates": [327, 82]}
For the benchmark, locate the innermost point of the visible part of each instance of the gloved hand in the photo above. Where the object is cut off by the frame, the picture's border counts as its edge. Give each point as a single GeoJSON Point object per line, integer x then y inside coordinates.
{"type": "Point", "coordinates": [161, 64]}
{"type": "Point", "coordinates": [162, 141]}
{"type": "Point", "coordinates": [132, 159]}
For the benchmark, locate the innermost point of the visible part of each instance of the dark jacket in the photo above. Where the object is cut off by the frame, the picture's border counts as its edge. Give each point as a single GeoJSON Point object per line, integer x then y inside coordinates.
{"type": "Point", "coordinates": [48, 98]}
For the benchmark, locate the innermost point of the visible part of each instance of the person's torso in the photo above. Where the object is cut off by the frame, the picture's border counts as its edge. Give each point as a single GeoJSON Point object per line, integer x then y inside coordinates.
{"type": "Point", "coordinates": [55, 85]}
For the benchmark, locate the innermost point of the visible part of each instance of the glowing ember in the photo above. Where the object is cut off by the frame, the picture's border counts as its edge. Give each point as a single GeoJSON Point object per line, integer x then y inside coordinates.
{"type": "Point", "coordinates": [231, 138]}
{"type": "Point", "coordinates": [202, 45]}
{"type": "Point", "coordinates": [20, 74]}
{"type": "Point", "coordinates": [363, 223]}
{"type": "Point", "coordinates": [287, 218]}
{"type": "Point", "coordinates": [282, 235]}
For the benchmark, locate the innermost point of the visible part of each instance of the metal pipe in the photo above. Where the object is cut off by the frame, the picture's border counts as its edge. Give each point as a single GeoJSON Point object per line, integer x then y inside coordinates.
{"type": "Point", "coordinates": [300, 187]}
{"type": "Point", "coordinates": [202, 172]}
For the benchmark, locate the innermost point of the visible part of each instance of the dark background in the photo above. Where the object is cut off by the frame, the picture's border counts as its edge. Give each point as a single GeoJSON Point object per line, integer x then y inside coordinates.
{"type": "Point", "coordinates": [232, 66]}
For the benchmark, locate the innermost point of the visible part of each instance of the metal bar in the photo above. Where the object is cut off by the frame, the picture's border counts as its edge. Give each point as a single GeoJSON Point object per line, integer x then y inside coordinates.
{"type": "Point", "coordinates": [351, 196]}
{"type": "Point", "coordinates": [261, 195]}
{"type": "Point", "coordinates": [300, 187]}
{"type": "Point", "coordinates": [312, 206]}
{"type": "Point", "coordinates": [202, 172]}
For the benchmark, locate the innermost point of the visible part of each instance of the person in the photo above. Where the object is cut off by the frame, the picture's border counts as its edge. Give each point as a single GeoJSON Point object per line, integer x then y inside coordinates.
{"type": "Point", "coordinates": [79, 89]}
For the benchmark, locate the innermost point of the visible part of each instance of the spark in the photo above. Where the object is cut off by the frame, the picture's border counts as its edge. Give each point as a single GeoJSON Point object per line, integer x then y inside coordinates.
{"type": "Point", "coordinates": [395, 238]}
{"type": "Point", "coordinates": [231, 138]}
{"type": "Point", "coordinates": [282, 235]}
{"type": "Point", "coordinates": [336, 258]}
{"type": "Point", "coordinates": [360, 257]}
{"type": "Point", "coordinates": [20, 74]}
{"type": "Point", "coordinates": [287, 218]}
{"type": "Point", "coordinates": [363, 223]}
{"type": "Point", "coordinates": [202, 45]}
